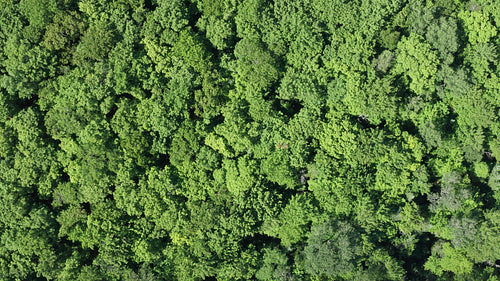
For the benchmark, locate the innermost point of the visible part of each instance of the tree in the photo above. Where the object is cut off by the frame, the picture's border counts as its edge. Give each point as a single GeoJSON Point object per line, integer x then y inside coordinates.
{"type": "Point", "coordinates": [38, 15]}
{"type": "Point", "coordinates": [442, 35]}
{"type": "Point", "coordinates": [63, 32]}
{"type": "Point", "coordinates": [446, 258]}
{"type": "Point", "coordinates": [416, 59]}
{"type": "Point", "coordinates": [452, 197]}
{"type": "Point", "coordinates": [255, 67]}
{"type": "Point", "coordinates": [274, 266]}
{"type": "Point", "coordinates": [478, 26]}
{"type": "Point", "coordinates": [294, 220]}
{"type": "Point", "coordinates": [494, 181]}
{"type": "Point", "coordinates": [96, 42]}
{"type": "Point", "coordinates": [333, 249]}
{"type": "Point", "coordinates": [26, 65]}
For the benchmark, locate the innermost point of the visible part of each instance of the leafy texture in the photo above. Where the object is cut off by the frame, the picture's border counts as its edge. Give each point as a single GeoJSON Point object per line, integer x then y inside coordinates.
{"type": "Point", "coordinates": [249, 140]}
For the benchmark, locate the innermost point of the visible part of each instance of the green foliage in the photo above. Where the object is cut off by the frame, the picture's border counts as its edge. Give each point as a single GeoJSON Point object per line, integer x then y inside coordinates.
{"type": "Point", "coordinates": [38, 15]}
{"type": "Point", "coordinates": [240, 176]}
{"type": "Point", "coordinates": [481, 170]}
{"type": "Point", "coordinates": [485, 247]}
{"type": "Point", "coordinates": [95, 43]}
{"type": "Point", "coordinates": [64, 31]}
{"type": "Point", "coordinates": [453, 195]}
{"type": "Point", "coordinates": [442, 35]}
{"type": "Point", "coordinates": [479, 57]}
{"type": "Point", "coordinates": [294, 220]}
{"type": "Point", "coordinates": [446, 258]}
{"type": "Point", "coordinates": [478, 26]}
{"type": "Point", "coordinates": [384, 61]}
{"type": "Point", "coordinates": [333, 249]}
{"type": "Point", "coordinates": [249, 140]}
{"type": "Point", "coordinates": [389, 39]}
{"type": "Point", "coordinates": [274, 266]}
{"type": "Point", "coordinates": [255, 67]}
{"type": "Point", "coordinates": [26, 64]}
{"type": "Point", "coordinates": [415, 58]}
{"type": "Point", "coordinates": [494, 181]}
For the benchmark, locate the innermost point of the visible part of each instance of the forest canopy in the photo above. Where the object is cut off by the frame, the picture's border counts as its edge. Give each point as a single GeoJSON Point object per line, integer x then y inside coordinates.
{"type": "Point", "coordinates": [249, 140]}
